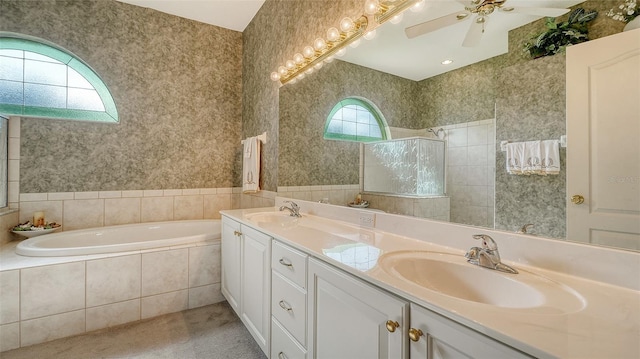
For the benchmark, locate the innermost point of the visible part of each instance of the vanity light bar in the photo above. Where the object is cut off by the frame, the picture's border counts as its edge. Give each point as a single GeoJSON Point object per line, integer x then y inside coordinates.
{"type": "Point", "coordinates": [350, 32]}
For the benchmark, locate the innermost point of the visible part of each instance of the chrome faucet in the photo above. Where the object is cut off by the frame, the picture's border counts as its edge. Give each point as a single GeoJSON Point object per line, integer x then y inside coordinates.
{"type": "Point", "coordinates": [524, 229]}
{"type": "Point", "coordinates": [294, 210]}
{"type": "Point", "coordinates": [487, 256]}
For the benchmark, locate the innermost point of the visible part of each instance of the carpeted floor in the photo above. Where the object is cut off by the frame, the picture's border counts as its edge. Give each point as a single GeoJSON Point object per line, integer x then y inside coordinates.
{"type": "Point", "coordinates": [212, 332]}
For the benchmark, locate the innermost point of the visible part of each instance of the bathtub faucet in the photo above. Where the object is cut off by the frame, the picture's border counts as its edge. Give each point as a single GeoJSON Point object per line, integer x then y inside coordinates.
{"type": "Point", "coordinates": [294, 210]}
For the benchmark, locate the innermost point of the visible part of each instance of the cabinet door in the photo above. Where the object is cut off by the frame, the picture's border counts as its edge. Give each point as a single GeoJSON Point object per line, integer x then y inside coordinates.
{"type": "Point", "coordinates": [231, 255]}
{"type": "Point", "coordinates": [256, 285]}
{"type": "Point", "coordinates": [348, 318]}
{"type": "Point", "coordinates": [441, 338]}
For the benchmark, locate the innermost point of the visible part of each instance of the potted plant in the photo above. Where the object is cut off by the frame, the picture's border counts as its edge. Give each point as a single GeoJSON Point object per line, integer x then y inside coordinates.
{"type": "Point", "coordinates": [626, 12]}
{"type": "Point", "coordinates": [560, 35]}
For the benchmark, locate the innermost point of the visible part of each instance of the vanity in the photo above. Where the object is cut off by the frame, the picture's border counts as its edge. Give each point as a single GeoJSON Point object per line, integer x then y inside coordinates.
{"type": "Point", "coordinates": [324, 285]}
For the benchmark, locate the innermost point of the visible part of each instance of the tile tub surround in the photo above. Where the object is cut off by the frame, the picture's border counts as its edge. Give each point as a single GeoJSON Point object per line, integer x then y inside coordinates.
{"type": "Point", "coordinates": [50, 298]}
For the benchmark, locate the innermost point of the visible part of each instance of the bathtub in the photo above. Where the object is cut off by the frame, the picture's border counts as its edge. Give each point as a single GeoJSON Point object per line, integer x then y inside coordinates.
{"type": "Point", "coordinates": [123, 238]}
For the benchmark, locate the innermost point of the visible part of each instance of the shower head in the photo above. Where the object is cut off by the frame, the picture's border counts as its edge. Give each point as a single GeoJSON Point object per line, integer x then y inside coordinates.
{"type": "Point", "coordinates": [437, 132]}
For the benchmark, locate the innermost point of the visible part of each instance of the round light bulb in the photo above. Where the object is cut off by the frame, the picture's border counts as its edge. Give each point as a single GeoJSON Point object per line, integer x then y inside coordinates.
{"type": "Point", "coordinates": [396, 19]}
{"type": "Point", "coordinates": [417, 7]}
{"type": "Point", "coordinates": [346, 24]}
{"type": "Point", "coordinates": [282, 70]}
{"type": "Point", "coordinates": [329, 59]}
{"type": "Point", "coordinates": [317, 66]}
{"type": "Point", "coordinates": [371, 7]}
{"type": "Point", "coordinates": [341, 52]}
{"type": "Point", "coordinates": [370, 35]}
{"type": "Point", "coordinates": [308, 51]}
{"type": "Point", "coordinates": [309, 71]}
{"type": "Point", "coordinates": [290, 64]}
{"type": "Point", "coordinates": [355, 44]}
{"type": "Point", "coordinates": [319, 44]}
{"type": "Point", "coordinates": [300, 76]}
{"type": "Point", "coordinates": [275, 76]}
{"type": "Point", "coordinates": [293, 81]}
{"type": "Point", "coordinates": [298, 58]}
{"type": "Point", "coordinates": [333, 34]}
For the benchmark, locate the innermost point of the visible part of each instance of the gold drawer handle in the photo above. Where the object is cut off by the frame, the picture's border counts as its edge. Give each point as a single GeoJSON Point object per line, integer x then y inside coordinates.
{"type": "Point", "coordinates": [281, 355]}
{"type": "Point", "coordinates": [237, 233]}
{"type": "Point", "coordinates": [415, 334]}
{"type": "Point", "coordinates": [285, 263]}
{"type": "Point", "coordinates": [392, 325]}
{"type": "Point", "coordinates": [284, 305]}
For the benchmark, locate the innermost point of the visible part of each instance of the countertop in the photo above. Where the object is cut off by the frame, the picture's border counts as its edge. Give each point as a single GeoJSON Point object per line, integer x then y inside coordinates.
{"type": "Point", "coordinates": [602, 322]}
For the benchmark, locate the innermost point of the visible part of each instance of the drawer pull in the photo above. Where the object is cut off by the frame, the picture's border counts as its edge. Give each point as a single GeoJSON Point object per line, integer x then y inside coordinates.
{"type": "Point", "coordinates": [285, 263]}
{"type": "Point", "coordinates": [281, 355]}
{"type": "Point", "coordinates": [415, 334]}
{"type": "Point", "coordinates": [237, 233]}
{"type": "Point", "coordinates": [392, 325]}
{"type": "Point", "coordinates": [284, 305]}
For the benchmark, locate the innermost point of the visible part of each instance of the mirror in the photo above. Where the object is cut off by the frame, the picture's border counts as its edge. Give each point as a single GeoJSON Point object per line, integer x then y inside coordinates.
{"type": "Point", "coordinates": [503, 97]}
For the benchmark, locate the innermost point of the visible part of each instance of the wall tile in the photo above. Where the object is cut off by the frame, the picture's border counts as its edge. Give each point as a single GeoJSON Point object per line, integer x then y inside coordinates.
{"type": "Point", "coordinates": [53, 210]}
{"type": "Point", "coordinates": [9, 296]}
{"type": "Point", "coordinates": [60, 196]}
{"type": "Point", "coordinates": [52, 327]}
{"type": "Point", "coordinates": [164, 303]}
{"type": "Point", "coordinates": [9, 336]}
{"type": "Point", "coordinates": [156, 209]}
{"type": "Point", "coordinates": [113, 314]}
{"type": "Point", "coordinates": [41, 294]}
{"type": "Point", "coordinates": [477, 135]}
{"type": "Point", "coordinates": [205, 295]}
{"type": "Point", "coordinates": [213, 204]}
{"type": "Point", "coordinates": [121, 211]}
{"type": "Point", "coordinates": [113, 280]}
{"type": "Point", "coordinates": [204, 265]}
{"type": "Point", "coordinates": [187, 207]}
{"type": "Point", "coordinates": [84, 213]}
{"type": "Point", "coordinates": [164, 271]}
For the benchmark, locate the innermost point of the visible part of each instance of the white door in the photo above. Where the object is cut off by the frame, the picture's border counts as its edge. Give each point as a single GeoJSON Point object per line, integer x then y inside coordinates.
{"type": "Point", "coordinates": [603, 132]}
{"type": "Point", "coordinates": [256, 285]}
{"type": "Point", "coordinates": [231, 256]}
{"type": "Point", "coordinates": [348, 319]}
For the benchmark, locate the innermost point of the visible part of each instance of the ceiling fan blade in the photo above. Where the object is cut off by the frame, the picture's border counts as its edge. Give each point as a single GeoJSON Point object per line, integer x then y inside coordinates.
{"type": "Point", "coordinates": [538, 11]}
{"type": "Point", "coordinates": [474, 35]}
{"type": "Point", "coordinates": [435, 24]}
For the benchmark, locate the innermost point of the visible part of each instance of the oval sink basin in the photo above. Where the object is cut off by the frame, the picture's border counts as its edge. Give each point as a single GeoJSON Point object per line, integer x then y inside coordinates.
{"type": "Point", "coordinates": [282, 218]}
{"type": "Point", "coordinates": [452, 276]}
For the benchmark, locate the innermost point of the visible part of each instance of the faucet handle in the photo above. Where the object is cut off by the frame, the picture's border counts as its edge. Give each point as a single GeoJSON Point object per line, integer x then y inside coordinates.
{"type": "Point", "coordinates": [293, 204]}
{"type": "Point", "coordinates": [487, 242]}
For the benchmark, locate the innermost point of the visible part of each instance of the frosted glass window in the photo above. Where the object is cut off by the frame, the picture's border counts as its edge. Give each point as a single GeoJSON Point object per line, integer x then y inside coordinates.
{"type": "Point", "coordinates": [354, 119]}
{"type": "Point", "coordinates": [38, 79]}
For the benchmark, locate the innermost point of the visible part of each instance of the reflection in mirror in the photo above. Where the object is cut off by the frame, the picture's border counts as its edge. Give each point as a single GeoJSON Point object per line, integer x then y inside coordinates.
{"type": "Point", "coordinates": [505, 97]}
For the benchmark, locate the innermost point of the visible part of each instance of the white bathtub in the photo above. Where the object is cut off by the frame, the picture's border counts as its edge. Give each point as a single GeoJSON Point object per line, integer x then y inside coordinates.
{"type": "Point", "coordinates": [124, 238]}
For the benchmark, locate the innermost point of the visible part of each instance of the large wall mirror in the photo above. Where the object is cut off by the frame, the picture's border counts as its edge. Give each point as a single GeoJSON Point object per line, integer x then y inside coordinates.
{"type": "Point", "coordinates": [492, 92]}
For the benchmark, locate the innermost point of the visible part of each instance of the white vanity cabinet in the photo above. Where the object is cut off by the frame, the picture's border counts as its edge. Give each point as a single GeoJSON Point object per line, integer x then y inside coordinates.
{"type": "Point", "coordinates": [246, 277]}
{"type": "Point", "coordinates": [433, 336]}
{"type": "Point", "coordinates": [351, 319]}
{"type": "Point", "coordinates": [288, 302]}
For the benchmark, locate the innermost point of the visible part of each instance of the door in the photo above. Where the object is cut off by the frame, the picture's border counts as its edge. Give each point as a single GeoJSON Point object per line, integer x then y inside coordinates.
{"type": "Point", "coordinates": [603, 132]}
{"type": "Point", "coordinates": [231, 256]}
{"type": "Point", "coordinates": [349, 319]}
{"type": "Point", "coordinates": [256, 285]}
{"type": "Point", "coordinates": [436, 337]}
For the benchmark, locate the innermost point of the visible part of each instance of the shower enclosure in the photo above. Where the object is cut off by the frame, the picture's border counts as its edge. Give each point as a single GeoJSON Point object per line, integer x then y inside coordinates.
{"type": "Point", "coordinates": [413, 166]}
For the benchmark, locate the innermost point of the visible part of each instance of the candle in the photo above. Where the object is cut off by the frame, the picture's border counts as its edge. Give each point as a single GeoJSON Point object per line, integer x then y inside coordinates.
{"type": "Point", "coordinates": [38, 219]}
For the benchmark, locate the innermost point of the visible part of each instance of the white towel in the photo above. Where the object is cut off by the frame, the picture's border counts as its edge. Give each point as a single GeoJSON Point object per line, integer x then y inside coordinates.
{"type": "Point", "coordinates": [251, 165]}
{"type": "Point", "coordinates": [533, 157]}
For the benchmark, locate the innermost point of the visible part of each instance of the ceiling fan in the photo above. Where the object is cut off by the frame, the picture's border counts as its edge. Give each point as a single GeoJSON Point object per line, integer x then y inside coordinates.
{"type": "Point", "coordinates": [481, 9]}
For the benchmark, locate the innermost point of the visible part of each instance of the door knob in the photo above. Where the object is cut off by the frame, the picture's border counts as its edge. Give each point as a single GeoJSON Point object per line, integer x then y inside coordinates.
{"type": "Point", "coordinates": [415, 334]}
{"type": "Point", "coordinates": [392, 325]}
{"type": "Point", "coordinates": [577, 199]}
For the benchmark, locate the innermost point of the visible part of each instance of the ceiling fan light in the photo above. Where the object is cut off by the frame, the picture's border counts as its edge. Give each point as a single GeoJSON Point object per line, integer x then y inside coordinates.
{"type": "Point", "coordinates": [371, 7]}
{"type": "Point", "coordinates": [308, 51]}
{"type": "Point", "coordinates": [346, 24]}
{"type": "Point", "coordinates": [298, 58]}
{"type": "Point", "coordinates": [333, 34]}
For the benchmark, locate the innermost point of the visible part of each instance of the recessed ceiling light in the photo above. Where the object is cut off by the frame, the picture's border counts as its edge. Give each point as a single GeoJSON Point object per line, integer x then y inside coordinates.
{"type": "Point", "coordinates": [447, 62]}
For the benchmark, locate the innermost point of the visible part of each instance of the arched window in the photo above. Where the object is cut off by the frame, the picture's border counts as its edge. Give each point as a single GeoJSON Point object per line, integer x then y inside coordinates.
{"type": "Point", "coordinates": [355, 119]}
{"type": "Point", "coordinates": [40, 79]}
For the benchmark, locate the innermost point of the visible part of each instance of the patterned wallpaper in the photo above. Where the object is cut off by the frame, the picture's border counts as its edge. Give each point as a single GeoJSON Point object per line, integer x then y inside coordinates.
{"type": "Point", "coordinates": [177, 86]}
{"type": "Point", "coordinates": [304, 157]}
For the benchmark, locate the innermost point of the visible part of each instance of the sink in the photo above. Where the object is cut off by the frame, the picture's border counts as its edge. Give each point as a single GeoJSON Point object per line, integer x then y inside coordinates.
{"type": "Point", "coordinates": [452, 276]}
{"type": "Point", "coordinates": [280, 218]}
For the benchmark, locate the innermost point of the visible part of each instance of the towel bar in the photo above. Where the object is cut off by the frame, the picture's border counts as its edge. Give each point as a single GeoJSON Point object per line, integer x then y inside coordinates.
{"type": "Point", "coordinates": [563, 143]}
{"type": "Point", "coordinates": [262, 138]}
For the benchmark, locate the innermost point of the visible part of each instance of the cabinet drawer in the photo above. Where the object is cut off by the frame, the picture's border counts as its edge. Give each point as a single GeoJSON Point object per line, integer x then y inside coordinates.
{"type": "Point", "coordinates": [288, 305]}
{"type": "Point", "coordinates": [283, 346]}
{"type": "Point", "coordinates": [292, 264]}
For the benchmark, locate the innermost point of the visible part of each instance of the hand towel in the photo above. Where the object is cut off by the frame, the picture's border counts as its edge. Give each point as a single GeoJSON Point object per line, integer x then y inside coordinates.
{"type": "Point", "coordinates": [532, 161]}
{"type": "Point", "coordinates": [515, 154]}
{"type": "Point", "coordinates": [251, 165]}
{"type": "Point", "coordinates": [550, 157]}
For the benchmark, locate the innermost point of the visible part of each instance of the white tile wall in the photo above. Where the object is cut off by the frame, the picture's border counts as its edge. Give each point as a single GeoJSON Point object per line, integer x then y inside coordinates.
{"type": "Point", "coordinates": [164, 303]}
{"type": "Point", "coordinates": [165, 271]}
{"type": "Point", "coordinates": [9, 336]}
{"type": "Point", "coordinates": [336, 194]}
{"type": "Point", "coordinates": [83, 213]}
{"type": "Point", "coordinates": [9, 296]}
{"type": "Point", "coordinates": [54, 289]}
{"type": "Point", "coordinates": [205, 295]}
{"type": "Point", "coordinates": [104, 287]}
{"type": "Point", "coordinates": [113, 314]}
{"type": "Point", "coordinates": [121, 211]}
{"type": "Point", "coordinates": [204, 265]}
{"type": "Point", "coordinates": [52, 327]}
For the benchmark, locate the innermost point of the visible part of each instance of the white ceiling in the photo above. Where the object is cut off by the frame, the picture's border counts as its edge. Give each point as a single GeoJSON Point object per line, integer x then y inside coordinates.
{"type": "Point", "coordinates": [230, 14]}
{"type": "Point", "coordinates": [414, 59]}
